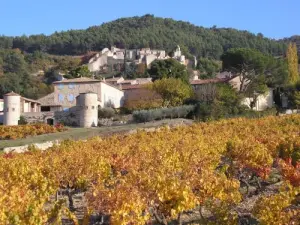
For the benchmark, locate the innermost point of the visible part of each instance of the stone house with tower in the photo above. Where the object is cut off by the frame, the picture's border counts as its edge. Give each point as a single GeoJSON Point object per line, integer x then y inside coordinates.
{"type": "Point", "coordinates": [15, 105]}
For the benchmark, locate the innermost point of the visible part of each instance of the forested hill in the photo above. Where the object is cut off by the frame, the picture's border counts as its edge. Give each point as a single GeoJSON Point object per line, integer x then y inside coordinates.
{"type": "Point", "coordinates": [145, 31]}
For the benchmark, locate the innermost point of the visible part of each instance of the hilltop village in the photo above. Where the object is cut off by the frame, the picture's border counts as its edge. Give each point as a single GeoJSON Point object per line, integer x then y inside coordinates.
{"type": "Point", "coordinates": [76, 101]}
{"type": "Point", "coordinates": [147, 120]}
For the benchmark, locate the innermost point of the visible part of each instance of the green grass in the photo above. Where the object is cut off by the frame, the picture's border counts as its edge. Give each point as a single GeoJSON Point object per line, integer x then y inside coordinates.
{"type": "Point", "coordinates": [83, 133]}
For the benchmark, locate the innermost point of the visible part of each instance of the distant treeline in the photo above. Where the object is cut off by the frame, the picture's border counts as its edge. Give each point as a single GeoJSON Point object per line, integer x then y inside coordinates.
{"type": "Point", "coordinates": [146, 31]}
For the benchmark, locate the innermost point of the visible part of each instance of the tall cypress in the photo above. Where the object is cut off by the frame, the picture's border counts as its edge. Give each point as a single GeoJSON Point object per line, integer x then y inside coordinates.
{"type": "Point", "coordinates": [292, 59]}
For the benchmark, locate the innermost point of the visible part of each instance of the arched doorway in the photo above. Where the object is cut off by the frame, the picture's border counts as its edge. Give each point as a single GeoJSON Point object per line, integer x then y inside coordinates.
{"type": "Point", "coordinates": [50, 121]}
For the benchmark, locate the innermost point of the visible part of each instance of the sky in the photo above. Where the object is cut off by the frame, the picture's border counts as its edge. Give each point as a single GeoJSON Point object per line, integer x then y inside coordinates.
{"type": "Point", "coordinates": [273, 18]}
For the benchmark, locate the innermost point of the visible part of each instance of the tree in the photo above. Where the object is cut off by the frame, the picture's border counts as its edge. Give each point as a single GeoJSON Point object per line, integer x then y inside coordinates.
{"type": "Point", "coordinates": [208, 68]}
{"type": "Point", "coordinates": [141, 69]}
{"type": "Point", "coordinates": [297, 99]}
{"type": "Point", "coordinates": [81, 71]}
{"type": "Point", "coordinates": [173, 91]}
{"type": "Point", "coordinates": [143, 32]}
{"type": "Point", "coordinates": [255, 70]}
{"type": "Point", "coordinates": [217, 101]}
{"type": "Point", "coordinates": [13, 61]}
{"type": "Point", "coordinates": [292, 59]}
{"type": "Point", "coordinates": [247, 63]}
{"type": "Point", "coordinates": [168, 68]}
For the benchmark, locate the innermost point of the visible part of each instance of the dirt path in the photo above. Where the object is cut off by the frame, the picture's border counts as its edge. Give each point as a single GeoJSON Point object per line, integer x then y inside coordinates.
{"type": "Point", "coordinates": [84, 133]}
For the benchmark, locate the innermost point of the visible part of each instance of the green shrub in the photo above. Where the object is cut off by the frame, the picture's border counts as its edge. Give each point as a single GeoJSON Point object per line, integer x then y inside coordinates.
{"type": "Point", "coordinates": [258, 114]}
{"type": "Point", "coordinates": [217, 110]}
{"type": "Point", "coordinates": [162, 113]}
{"type": "Point", "coordinates": [22, 121]}
{"type": "Point", "coordinates": [106, 112]}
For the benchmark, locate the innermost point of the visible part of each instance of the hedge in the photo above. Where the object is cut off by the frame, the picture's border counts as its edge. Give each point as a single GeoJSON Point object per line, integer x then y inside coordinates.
{"type": "Point", "coordinates": [162, 113]}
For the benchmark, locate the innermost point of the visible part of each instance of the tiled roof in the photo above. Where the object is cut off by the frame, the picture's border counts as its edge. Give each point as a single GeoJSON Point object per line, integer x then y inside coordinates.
{"type": "Point", "coordinates": [77, 80]}
{"type": "Point", "coordinates": [111, 85]}
{"type": "Point", "coordinates": [1, 100]}
{"type": "Point", "coordinates": [127, 81]}
{"type": "Point", "coordinates": [12, 94]}
{"type": "Point", "coordinates": [30, 100]}
{"type": "Point", "coordinates": [48, 100]}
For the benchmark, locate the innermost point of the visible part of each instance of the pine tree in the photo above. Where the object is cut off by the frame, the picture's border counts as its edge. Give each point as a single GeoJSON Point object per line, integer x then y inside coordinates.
{"type": "Point", "coordinates": [292, 59]}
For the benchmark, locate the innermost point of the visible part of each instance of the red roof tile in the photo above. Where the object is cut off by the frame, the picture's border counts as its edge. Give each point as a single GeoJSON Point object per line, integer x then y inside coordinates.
{"type": "Point", "coordinates": [12, 94]}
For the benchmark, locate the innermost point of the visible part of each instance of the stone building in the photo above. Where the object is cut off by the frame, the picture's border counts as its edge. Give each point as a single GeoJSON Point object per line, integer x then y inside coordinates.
{"type": "Point", "coordinates": [87, 104]}
{"type": "Point", "coordinates": [14, 106]}
{"type": "Point", "coordinates": [120, 81]}
{"type": "Point", "coordinates": [66, 91]}
{"type": "Point", "coordinates": [205, 90]}
{"type": "Point", "coordinates": [139, 94]}
{"type": "Point", "coordinates": [179, 56]}
{"type": "Point", "coordinates": [114, 80]}
{"type": "Point", "coordinates": [108, 58]}
{"type": "Point", "coordinates": [74, 102]}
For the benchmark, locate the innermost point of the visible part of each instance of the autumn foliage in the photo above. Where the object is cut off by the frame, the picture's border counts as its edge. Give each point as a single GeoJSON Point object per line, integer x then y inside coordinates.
{"type": "Point", "coordinates": [161, 175]}
{"type": "Point", "coordinates": [23, 131]}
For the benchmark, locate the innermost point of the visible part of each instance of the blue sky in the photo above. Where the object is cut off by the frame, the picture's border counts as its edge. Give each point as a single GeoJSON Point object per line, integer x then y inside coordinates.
{"type": "Point", "coordinates": [273, 18]}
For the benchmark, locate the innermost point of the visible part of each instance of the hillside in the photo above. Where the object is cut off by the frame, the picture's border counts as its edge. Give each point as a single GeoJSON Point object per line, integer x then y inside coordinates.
{"type": "Point", "coordinates": [145, 31]}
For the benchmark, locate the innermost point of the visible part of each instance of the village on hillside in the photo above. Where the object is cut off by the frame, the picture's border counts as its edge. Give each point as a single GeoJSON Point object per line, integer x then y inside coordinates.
{"type": "Point", "coordinates": [147, 120]}
{"type": "Point", "coordinates": [75, 101]}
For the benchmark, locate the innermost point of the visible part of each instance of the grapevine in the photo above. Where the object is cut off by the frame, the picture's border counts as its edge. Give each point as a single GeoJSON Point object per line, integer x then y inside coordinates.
{"type": "Point", "coordinates": [161, 175]}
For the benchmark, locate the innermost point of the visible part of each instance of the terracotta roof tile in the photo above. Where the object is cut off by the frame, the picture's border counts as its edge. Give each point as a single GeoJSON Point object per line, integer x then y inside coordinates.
{"type": "Point", "coordinates": [48, 100]}
{"type": "Point", "coordinates": [30, 100]}
{"type": "Point", "coordinates": [12, 94]}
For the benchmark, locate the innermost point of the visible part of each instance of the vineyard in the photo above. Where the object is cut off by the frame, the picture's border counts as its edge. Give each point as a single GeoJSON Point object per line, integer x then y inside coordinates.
{"type": "Point", "coordinates": [209, 169]}
{"type": "Point", "coordinates": [23, 131]}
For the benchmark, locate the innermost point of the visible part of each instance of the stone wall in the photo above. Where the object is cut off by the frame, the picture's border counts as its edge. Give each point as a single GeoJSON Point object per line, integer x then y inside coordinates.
{"type": "Point", "coordinates": [68, 118]}
{"type": "Point", "coordinates": [37, 117]}
{"type": "Point", "coordinates": [24, 148]}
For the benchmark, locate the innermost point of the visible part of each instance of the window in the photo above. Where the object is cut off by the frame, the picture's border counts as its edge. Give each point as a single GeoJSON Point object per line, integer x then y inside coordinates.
{"type": "Point", "coordinates": [45, 108]}
{"type": "Point", "coordinates": [13, 109]}
{"type": "Point", "coordinates": [60, 86]}
{"type": "Point", "coordinates": [71, 86]}
{"type": "Point", "coordinates": [86, 108]}
{"type": "Point", "coordinates": [70, 97]}
{"type": "Point", "coordinates": [7, 110]}
{"type": "Point", "coordinates": [61, 97]}
{"type": "Point", "coordinates": [93, 107]}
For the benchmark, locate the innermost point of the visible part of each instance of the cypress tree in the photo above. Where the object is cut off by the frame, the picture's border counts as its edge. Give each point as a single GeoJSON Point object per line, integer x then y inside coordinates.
{"type": "Point", "coordinates": [292, 59]}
